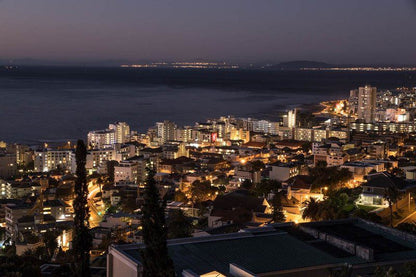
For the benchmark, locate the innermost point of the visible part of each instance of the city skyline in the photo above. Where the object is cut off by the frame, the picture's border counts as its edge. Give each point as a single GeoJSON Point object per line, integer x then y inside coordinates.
{"type": "Point", "coordinates": [207, 138]}
{"type": "Point", "coordinates": [350, 32]}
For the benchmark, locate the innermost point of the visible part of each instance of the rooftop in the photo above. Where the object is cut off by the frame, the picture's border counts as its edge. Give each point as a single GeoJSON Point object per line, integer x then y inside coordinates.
{"type": "Point", "coordinates": [286, 246]}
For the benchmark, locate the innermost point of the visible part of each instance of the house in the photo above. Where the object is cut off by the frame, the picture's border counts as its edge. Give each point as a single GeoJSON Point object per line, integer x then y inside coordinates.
{"type": "Point", "coordinates": [214, 163]}
{"type": "Point", "coordinates": [178, 165]}
{"type": "Point", "coordinates": [283, 171]}
{"type": "Point", "coordinates": [330, 153]}
{"type": "Point", "coordinates": [374, 190]}
{"type": "Point", "coordinates": [99, 235]}
{"type": "Point", "coordinates": [57, 209]}
{"type": "Point", "coordinates": [300, 188]}
{"type": "Point", "coordinates": [237, 207]}
{"type": "Point", "coordinates": [242, 174]}
{"type": "Point", "coordinates": [360, 169]}
{"type": "Point", "coordinates": [115, 198]}
{"type": "Point", "coordinates": [3, 204]}
{"type": "Point", "coordinates": [120, 220]}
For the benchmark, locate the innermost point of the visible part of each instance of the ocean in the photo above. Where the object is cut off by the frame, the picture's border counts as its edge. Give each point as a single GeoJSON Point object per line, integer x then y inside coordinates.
{"type": "Point", "coordinates": [63, 103]}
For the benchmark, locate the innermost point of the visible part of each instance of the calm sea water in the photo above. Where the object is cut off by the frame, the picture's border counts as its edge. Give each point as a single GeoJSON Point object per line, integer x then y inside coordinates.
{"type": "Point", "coordinates": [45, 103]}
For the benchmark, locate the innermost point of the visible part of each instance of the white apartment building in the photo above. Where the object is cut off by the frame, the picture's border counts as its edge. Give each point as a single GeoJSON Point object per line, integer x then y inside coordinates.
{"type": "Point", "coordinates": [97, 158]}
{"type": "Point", "coordinates": [291, 118]}
{"type": "Point", "coordinates": [121, 131]}
{"type": "Point", "coordinates": [133, 170]}
{"type": "Point", "coordinates": [304, 134]}
{"type": "Point", "coordinates": [184, 134]}
{"type": "Point", "coordinates": [317, 135]}
{"type": "Point", "coordinates": [126, 171]}
{"type": "Point", "coordinates": [99, 139]}
{"type": "Point", "coordinates": [165, 131]}
{"type": "Point", "coordinates": [48, 159]}
{"type": "Point", "coordinates": [265, 126]}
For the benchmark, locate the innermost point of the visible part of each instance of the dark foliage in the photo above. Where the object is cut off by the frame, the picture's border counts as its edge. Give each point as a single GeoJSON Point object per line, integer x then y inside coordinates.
{"type": "Point", "coordinates": [179, 226]}
{"type": "Point", "coordinates": [278, 215]}
{"type": "Point", "coordinates": [155, 256]}
{"type": "Point", "coordinates": [82, 241]}
{"type": "Point", "coordinates": [24, 266]}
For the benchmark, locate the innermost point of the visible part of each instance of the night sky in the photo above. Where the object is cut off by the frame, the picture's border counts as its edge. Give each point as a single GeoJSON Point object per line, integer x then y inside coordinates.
{"type": "Point", "coordinates": [334, 31]}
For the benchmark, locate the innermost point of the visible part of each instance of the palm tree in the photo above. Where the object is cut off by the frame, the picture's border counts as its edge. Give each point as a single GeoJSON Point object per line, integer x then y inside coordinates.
{"type": "Point", "coordinates": [313, 209]}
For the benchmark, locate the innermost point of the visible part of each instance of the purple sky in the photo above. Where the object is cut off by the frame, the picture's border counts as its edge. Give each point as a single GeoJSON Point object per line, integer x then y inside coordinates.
{"type": "Point", "coordinates": [334, 31]}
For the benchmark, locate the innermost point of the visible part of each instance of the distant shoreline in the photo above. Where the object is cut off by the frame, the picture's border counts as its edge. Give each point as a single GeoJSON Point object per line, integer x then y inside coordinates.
{"type": "Point", "coordinates": [61, 103]}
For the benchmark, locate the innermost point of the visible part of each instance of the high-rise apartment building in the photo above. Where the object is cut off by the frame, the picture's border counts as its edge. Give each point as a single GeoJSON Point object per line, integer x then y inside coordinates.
{"type": "Point", "coordinates": [291, 118]}
{"type": "Point", "coordinates": [101, 138]}
{"type": "Point", "coordinates": [8, 165]}
{"type": "Point", "coordinates": [353, 101]}
{"type": "Point", "coordinates": [367, 98]}
{"type": "Point", "coordinates": [184, 134]}
{"type": "Point", "coordinates": [121, 130]}
{"type": "Point", "coordinates": [165, 131]}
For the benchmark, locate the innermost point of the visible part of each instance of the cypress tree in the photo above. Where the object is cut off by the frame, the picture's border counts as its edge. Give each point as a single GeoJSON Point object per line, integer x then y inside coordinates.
{"type": "Point", "coordinates": [82, 241]}
{"type": "Point", "coordinates": [155, 256]}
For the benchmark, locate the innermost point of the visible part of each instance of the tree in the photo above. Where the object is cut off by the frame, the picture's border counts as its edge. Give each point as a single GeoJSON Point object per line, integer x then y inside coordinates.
{"type": "Point", "coordinates": [257, 165]}
{"type": "Point", "coordinates": [20, 266]}
{"type": "Point", "coordinates": [361, 213]}
{"type": "Point", "coordinates": [278, 215]}
{"type": "Point", "coordinates": [332, 177]}
{"type": "Point", "coordinates": [202, 191]}
{"type": "Point", "coordinates": [82, 241]}
{"type": "Point", "coordinates": [129, 204]}
{"type": "Point", "coordinates": [110, 170]}
{"type": "Point", "coordinates": [338, 204]}
{"type": "Point", "coordinates": [180, 196]}
{"type": "Point", "coordinates": [179, 226]}
{"type": "Point", "coordinates": [312, 210]}
{"type": "Point", "coordinates": [222, 180]}
{"type": "Point", "coordinates": [409, 269]}
{"type": "Point", "coordinates": [396, 171]}
{"type": "Point", "coordinates": [385, 272]}
{"type": "Point", "coordinates": [51, 244]}
{"type": "Point", "coordinates": [391, 194]}
{"type": "Point", "coordinates": [265, 187]}
{"type": "Point", "coordinates": [155, 256]}
{"type": "Point", "coordinates": [247, 184]}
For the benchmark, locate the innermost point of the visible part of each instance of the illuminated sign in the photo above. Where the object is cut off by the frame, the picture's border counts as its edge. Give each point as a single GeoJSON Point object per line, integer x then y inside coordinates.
{"type": "Point", "coordinates": [214, 137]}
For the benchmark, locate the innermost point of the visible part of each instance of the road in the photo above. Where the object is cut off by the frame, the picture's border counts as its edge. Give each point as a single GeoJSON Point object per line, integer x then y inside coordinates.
{"type": "Point", "coordinates": [95, 213]}
{"type": "Point", "coordinates": [409, 219]}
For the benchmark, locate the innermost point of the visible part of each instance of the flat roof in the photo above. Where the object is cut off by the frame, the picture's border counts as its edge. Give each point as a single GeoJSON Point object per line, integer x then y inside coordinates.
{"type": "Point", "coordinates": [257, 253]}
{"type": "Point", "coordinates": [282, 247]}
